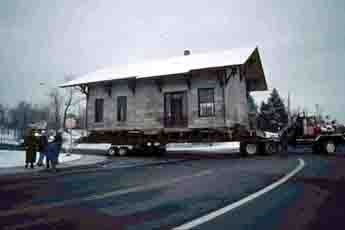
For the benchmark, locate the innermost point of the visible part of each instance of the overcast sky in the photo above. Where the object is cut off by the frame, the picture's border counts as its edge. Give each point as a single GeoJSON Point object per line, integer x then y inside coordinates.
{"type": "Point", "coordinates": [302, 43]}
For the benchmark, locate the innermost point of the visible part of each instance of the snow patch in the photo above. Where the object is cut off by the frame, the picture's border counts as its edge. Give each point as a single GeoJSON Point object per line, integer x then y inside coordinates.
{"type": "Point", "coordinates": [17, 158]}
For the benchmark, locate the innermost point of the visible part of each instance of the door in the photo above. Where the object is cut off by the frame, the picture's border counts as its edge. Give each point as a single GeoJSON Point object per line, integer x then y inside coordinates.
{"type": "Point", "coordinates": [175, 113]}
{"type": "Point", "coordinates": [177, 107]}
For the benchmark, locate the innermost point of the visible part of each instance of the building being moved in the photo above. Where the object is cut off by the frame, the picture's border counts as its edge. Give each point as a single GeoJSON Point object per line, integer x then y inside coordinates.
{"type": "Point", "coordinates": [206, 91]}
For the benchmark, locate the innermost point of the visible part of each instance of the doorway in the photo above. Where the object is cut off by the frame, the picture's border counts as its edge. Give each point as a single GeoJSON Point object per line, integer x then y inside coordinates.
{"type": "Point", "coordinates": [175, 109]}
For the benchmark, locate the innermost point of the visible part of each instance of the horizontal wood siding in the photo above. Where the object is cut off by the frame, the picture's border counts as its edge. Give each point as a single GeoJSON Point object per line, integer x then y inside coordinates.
{"type": "Point", "coordinates": [145, 106]}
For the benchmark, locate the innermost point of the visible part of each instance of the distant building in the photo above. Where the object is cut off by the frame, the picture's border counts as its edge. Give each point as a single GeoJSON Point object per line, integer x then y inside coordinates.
{"type": "Point", "coordinates": [191, 91]}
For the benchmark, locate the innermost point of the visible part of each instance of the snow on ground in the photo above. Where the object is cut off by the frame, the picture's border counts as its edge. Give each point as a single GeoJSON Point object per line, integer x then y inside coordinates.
{"type": "Point", "coordinates": [10, 142]}
{"type": "Point", "coordinates": [8, 137]}
{"type": "Point", "coordinates": [17, 158]}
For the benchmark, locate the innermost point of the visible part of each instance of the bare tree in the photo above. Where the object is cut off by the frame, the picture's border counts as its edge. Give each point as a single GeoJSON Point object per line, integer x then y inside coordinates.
{"type": "Point", "coordinates": [72, 98]}
{"type": "Point", "coordinates": [68, 104]}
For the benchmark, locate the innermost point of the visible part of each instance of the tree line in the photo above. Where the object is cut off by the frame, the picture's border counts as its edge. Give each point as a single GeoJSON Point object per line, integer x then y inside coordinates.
{"type": "Point", "coordinates": [62, 104]}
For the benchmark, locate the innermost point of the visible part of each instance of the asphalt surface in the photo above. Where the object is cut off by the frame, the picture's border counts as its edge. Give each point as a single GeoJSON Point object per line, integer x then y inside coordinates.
{"type": "Point", "coordinates": [164, 196]}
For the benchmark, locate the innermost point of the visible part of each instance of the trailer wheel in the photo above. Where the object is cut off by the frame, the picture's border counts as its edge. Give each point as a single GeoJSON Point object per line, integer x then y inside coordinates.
{"type": "Point", "coordinates": [112, 151]}
{"type": "Point", "coordinates": [330, 147]}
{"type": "Point", "coordinates": [270, 148]}
{"type": "Point", "coordinates": [123, 151]}
{"type": "Point", "coordinates": [249, 149]}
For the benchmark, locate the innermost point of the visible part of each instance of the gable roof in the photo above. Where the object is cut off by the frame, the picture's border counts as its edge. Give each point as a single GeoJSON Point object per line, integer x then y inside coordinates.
{"type": "Point", "coordinates": [170, 66]}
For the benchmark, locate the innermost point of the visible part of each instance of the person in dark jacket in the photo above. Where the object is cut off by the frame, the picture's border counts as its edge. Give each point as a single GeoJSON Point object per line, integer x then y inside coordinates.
{"type": "Point", "coordinates": [42, 148]}
{"type": "Point", "coordinates": [58, 141]}
{"type": "Point", "coordinates": [30, 144]}
{"type": "Point", "coordinates": [52, 153]}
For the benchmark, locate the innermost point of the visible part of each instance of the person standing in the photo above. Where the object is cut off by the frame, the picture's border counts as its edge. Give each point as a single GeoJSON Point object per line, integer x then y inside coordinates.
{"type": "Point", "coordinates": [42, 148]}
{"type": "Point", "coordinates": [52, 152]}
{"type": "Point", "coordinates": [30, 147]}
{"type": "Point", "coordinates": [58, 141]}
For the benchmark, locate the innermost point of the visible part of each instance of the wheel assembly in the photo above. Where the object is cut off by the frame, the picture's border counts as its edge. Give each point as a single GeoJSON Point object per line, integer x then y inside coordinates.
{"type": "Point", "coordinates": [123, 151]}
{"type": "Point", "coordinates": [270, 148]}
{"type": "Point", "coordinates": [112, 151]}
{"type": "Point", "coordinates": [329, 147]}
{"type": "Point", "coordinates": [251, 149]}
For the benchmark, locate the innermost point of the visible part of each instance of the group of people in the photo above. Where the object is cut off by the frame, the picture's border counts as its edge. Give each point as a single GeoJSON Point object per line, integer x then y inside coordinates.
{"type": "Point", "coordinates": [48, 146]}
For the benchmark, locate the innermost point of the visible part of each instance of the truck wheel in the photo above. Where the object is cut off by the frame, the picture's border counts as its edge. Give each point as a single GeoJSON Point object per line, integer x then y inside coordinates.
{"type": "Point", "coordinates": [270, 148]}
{"type": "Point", "coordinates": [330, 147]}
{"type": "Point", "coordinates": [123, 151]}
{"type": "Point", "coordinates": [112, 151]}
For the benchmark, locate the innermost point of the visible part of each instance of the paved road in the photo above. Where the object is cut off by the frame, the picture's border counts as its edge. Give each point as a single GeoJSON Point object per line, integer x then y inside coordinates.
{"type": "Point", "coordinates": [169, 195]}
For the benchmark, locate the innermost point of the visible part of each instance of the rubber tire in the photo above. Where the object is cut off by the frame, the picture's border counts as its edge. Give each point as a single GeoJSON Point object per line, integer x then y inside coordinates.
{"type": "Point", "coordinates": [270, 148]}
{"type": "Point", "coordinates": [329, 147]}
{"type": "Point", "coordinates": [112, 151]}
{"type": "Point", "coordinates": [245, 151]}
{"type": "Point", "coordinates": [251, 149]}
{"type": "Point", "coordinates": [123, 151]}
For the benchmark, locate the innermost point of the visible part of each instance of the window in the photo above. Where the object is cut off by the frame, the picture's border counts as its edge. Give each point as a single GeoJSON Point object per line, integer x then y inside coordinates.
{"type": "Point", "coordinates": [206, 102]}
{"type": "Point", "coordinates": [99, 106]}
{"type": "Point", "coordinates": [121, 108]}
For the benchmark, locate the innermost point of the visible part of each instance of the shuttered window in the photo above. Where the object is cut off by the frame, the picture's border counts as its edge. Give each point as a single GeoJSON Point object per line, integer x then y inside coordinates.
{"type": "Point", "coordinates": [99, 107]}
{"type": "Point", "coordinates": [206, 102]}
{"type": "Point", "coordinates": [121, 108]}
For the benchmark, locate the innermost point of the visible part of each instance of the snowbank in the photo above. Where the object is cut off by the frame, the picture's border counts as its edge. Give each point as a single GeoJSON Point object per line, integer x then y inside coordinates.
{"type": "Point", "coordinates": [17, 158]}
{"type": "Point", "coordinates": [8, 138]}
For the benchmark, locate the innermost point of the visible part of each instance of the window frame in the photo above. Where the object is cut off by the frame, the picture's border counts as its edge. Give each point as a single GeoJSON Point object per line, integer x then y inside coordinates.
{"type": "Point", "coordinates": [213, 102]}
{"type": "Point", "coordinates": [118, 115]}
{"type": "Point", "coordinates": [99, 112]}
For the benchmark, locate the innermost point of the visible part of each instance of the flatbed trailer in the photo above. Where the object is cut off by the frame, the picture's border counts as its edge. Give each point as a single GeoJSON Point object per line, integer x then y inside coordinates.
{"type": "Point", "coordinates": [252, 141]}
{"type": "Point", "coordinates": [154, 142]}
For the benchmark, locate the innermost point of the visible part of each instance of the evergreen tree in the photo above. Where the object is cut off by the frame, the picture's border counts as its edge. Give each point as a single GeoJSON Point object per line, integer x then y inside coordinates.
{"type": "Point", "coordinates": [273, 113]}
